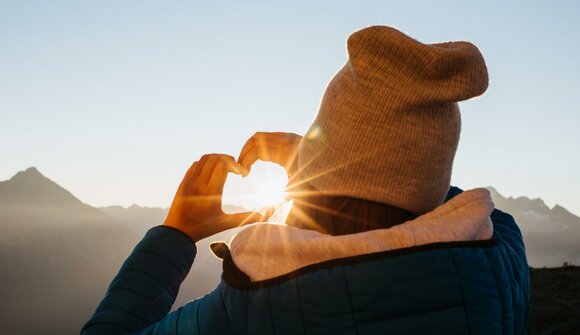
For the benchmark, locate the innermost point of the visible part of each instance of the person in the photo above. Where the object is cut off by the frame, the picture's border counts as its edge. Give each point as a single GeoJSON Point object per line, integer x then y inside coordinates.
{"type": "Point", "coordinates": [377, 241]}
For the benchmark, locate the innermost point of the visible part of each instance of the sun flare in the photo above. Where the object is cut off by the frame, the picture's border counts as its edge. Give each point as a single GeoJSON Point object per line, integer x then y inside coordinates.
{"type": "Point", "coordinates": [270, 193]}
{"type": "Point", "coordinates": [263, 187]}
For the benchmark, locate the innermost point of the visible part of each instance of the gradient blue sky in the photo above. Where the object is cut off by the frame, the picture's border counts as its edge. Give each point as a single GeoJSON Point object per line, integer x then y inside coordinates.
{"type": "Point", "coordinates": [114, 99]}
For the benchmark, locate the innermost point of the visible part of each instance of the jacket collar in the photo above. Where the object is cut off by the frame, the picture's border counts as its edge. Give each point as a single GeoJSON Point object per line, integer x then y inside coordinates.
{"type": "Point", "coordinates": [268, 250]}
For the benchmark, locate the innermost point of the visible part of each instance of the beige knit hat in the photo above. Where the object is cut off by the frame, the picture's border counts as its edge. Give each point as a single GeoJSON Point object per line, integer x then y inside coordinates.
{"type": "Point", "coordinates": [388, 125]}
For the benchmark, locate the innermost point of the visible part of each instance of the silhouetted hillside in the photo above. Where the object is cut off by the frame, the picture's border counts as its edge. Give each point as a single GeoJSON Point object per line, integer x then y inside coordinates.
{"type": "Point", "coordinates": [556, 301]}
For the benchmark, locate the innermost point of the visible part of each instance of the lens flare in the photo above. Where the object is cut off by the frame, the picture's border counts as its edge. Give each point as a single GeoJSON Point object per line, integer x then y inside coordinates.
{"type": "Point", "coordinates": [263, 187]}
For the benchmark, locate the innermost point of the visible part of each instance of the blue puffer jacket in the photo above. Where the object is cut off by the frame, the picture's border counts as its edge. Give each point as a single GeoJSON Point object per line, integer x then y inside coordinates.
{"type": "Point", "coordinates": [464, 287]}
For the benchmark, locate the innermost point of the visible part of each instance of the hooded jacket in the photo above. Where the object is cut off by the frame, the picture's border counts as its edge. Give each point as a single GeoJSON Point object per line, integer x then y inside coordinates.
{"type": "Point", "coordinates": [460, 269]}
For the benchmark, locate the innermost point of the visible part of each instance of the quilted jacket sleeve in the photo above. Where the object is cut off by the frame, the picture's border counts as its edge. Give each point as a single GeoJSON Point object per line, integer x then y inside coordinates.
{"type": "Point", "coordinates": [516, 266]}
{"type": "Point", "coordinates": [512, 272]}
{"type": "Point", "coordinates": [141, 295]}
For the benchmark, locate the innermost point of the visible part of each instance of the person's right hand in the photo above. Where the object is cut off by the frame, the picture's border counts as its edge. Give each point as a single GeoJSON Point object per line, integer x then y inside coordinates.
{"type": "Point", "coordinates": [197, 207]}
{"type": "Point", "coordinates": [279, 148]}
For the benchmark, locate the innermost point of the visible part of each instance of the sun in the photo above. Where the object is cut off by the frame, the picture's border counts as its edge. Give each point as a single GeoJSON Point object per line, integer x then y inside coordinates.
{"type": "Point", "coordinates": [268, 186]}
{"type": "Point", "coordinates": [271, 192]}
{"type": "Point", "coordinates": [264, 187]}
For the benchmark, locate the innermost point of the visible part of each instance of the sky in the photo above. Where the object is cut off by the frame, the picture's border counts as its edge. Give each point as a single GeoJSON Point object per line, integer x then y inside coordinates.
{"type": "Point", "coordinates": [114, 100]}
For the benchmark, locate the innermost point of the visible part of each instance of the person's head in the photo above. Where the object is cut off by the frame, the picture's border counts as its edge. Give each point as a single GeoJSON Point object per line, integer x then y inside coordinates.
{"type": "Point", "coordinates": [388, 124]}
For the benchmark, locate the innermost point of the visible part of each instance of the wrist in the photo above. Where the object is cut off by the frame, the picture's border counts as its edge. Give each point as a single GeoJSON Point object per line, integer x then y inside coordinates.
{"type": "Point", "coordinates": [193, 241]}
{"type": "Point", "coordinates": [183, 229]}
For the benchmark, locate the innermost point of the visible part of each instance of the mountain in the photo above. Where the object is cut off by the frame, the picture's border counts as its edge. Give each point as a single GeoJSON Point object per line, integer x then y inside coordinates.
{"type": "Point", "coordinates": [57, 256]}
{"type": "Point", "coordinates": [551, 235]}
{"type": "Point", "coordinates": [139, 219]}
{"type": "Point", "coordinates": [30, 188]}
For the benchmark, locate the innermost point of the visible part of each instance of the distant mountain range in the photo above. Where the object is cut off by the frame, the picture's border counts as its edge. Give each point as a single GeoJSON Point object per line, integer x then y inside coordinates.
{"type": "Point", "coordinates": [551, 235]}
{"type": "Point", "coordinates": [57, 254]}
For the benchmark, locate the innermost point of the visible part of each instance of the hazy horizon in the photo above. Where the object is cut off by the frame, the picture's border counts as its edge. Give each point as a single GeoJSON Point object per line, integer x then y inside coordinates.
{"type": "Point", "coordinates": [234, 190]}
{"type": "Point", "coordinates": [114, 100]}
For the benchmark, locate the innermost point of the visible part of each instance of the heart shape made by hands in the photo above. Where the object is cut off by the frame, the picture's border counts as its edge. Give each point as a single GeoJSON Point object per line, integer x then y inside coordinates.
{"type": "Point", "coordinates": [262, 188]}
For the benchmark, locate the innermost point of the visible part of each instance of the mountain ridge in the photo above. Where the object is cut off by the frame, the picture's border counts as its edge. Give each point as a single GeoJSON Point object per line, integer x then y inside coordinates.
{"type": "Point", "coordinates": [31, 188]}
{"type": "Point", "coordinates": [539, 201]}
{"type": "Point", "coordinates": [551, 235]}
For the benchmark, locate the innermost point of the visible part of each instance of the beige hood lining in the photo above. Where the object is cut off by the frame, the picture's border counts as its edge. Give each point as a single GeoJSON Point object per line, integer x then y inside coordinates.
{"type": "Point", "coordinates": [268, 250]}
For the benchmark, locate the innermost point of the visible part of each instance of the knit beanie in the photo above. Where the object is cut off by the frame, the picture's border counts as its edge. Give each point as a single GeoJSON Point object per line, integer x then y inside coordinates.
{"type": "Point", "coordinates": [388, 124]}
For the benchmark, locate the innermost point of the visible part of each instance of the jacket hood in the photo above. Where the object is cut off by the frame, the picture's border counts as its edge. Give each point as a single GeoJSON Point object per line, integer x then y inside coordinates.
{"type": "Point", "coordinates": [268, 250]}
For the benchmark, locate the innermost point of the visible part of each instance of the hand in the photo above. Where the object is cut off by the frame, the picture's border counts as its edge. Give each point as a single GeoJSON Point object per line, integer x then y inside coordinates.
{"type": "Point", "coordinates": [279, 148]}
{"type": "Point", "coordinates": [197, 207]}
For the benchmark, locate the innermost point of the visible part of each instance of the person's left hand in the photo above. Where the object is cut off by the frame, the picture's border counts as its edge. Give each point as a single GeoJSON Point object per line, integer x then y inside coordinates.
{"type": "Point", "coordinates": [197, 207]}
